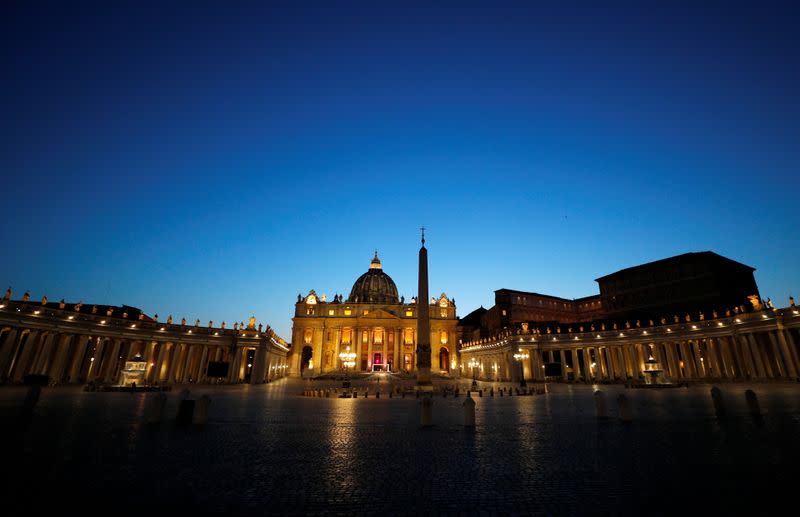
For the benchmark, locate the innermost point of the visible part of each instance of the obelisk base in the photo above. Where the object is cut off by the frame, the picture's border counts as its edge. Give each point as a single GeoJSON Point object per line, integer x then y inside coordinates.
{"type": "Point", "coordinates": [424, 380]}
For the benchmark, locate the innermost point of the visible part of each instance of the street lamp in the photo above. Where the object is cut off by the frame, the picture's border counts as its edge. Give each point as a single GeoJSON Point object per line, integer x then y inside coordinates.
{"type": "Point", "coordinates": [348, 360]}
{"type": "Point", "coordinates": [521, 356]}
{"type": "Point", "coordinates": [473, 363]}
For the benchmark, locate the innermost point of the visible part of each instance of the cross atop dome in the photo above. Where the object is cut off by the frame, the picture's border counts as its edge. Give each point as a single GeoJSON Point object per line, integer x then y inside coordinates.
{"type": "Point", "coordinates": [376, 262]}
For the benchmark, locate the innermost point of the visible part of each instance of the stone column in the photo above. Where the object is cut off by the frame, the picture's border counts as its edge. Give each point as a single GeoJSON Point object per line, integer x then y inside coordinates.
{"type": "Point", "coordinates": [702, 371]}
{"type": "Point", "coordinates": [642, 354]}
{"type": "Point", "coordinates": [576, 364]}
{"type": "Point", "coordinates": [81, 344]}
{"type": "Point", "coordinates": [7, 352]}
{"type": "Point", "coordinates": [174, 356]}
{"type": "Point", "coordinates": [672, 361]}
{"type": "Point", "coordinates": [370, 348]}
{"type": "Point", "coordinates": [747, 357]}
{"type": "Point", "coordinates": [236, 365]}
{"type": "Point", "coordinates": [96, 355]}
{"type": "Point", "coordinates": [185, 366]}
{"type": "Point", "coordinates": [688, 360]}
{"type": "Point", "coordinates": [58, 366]}
{"type": "Point", "coordinates": [779, 342]}
{"type": "Point", "coordinates": [202, 368]}
{"type": "Point", "coordinates": [259, 366]}
{"type": "Point", "coordinates": [563, 357]}
{"type": "Point", "coordinates": [627, 360]}
{"type": "Point", "coordinates": [111, 372]}
{"type": "Point", "coordinates": [20, 364]}
{"type": "Point", "coordinates": [159, 367]}
{"type": "Point", "coordinates": [44, 355]}
{"type": "Point", "coordinates": [587, 362]}
{"type": "Point", "coordinates": [758, 359]}
{"type": "Point", "coordinates": [729, 355]}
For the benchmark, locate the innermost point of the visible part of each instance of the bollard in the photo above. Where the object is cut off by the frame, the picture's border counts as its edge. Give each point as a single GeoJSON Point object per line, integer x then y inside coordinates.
{"type": "Point", "coordinates": [624, 408]}
{"type": "Point", "coordinates": [510, 392]}
{"type": "Point", "coordinates": [600, 405]}
{"type": "Point", "coordinates": [426, 411]}
{"type": "Point", "coordinates": [377, 394]}
{"type": "Point", "coordinates": [501, 392]}
{"type": "Point", "coordinates": [469, 412]}
{"type": "Point", "coordinates": [201, 416]}
{"type": "Point", "coordinates": [31, 399]}
{"type": "Point", "coordinates": [491, 391]}
{"type": "Point", "coordinates": [155, 410]}
{"type": "Point", "coordinates": [719, 403]}
{"type": "Point", "coordinates": [390, 394]}
{"type": "Point", "coordinates": [545, 388]}
{"type": "Point", "coordinates": [480, 393]}
{"type": "Point", "coordinates": [752, 405]}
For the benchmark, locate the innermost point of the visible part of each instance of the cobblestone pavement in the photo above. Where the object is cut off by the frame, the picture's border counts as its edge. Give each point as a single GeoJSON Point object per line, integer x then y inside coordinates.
{"type": "Point", "coordinates": [268, 450]}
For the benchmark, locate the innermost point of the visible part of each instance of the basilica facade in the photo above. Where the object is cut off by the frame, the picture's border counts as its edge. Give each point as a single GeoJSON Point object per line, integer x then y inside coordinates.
{"type": "Point", "coordinates": [374, 324]}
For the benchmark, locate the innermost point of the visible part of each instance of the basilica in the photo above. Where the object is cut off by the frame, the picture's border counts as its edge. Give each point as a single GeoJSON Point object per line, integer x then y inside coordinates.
{"type": "Point", "coordinates": [373, 323]}
{"type": "Point", "coordinates": [696, 316]}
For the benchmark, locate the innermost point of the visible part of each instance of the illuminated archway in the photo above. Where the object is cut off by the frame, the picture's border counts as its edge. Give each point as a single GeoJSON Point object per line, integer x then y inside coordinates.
{"type": "Point", "coordinates": [444, 359]}
{"type": "Point", "coordinates": [305, 358]}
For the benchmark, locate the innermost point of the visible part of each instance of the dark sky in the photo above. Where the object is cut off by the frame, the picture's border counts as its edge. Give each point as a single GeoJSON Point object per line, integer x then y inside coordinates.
{"type": "Point", "coordinates": [211, 161]}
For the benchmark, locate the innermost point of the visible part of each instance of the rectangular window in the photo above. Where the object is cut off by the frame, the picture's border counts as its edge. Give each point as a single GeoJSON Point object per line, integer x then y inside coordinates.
{"type": "Point", "coordinates": [409, 313]}
{"type": "Point", "coordinates": [348, 312]}
{"type": "Point", "coordinates": [330, 312]}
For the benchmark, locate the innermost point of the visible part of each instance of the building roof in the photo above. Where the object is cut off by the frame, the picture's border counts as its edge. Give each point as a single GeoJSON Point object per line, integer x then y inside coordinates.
{"type": "Point", "coordinates": [374, 286]}
{"type": "Point", "coordinates": [528, 293]}
{"type": "Point", "coordinates": [473, 319]}
{"type": "Point", "coordinates": [677, 259]}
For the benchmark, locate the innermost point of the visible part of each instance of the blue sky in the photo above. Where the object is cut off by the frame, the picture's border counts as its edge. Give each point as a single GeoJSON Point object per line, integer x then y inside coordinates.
{"type": "Point", "coordinates": [213, 162]}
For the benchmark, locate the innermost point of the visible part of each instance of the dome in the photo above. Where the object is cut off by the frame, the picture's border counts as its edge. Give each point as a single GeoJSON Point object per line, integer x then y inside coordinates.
{"type": "Point", "coordinates": [374, 286]}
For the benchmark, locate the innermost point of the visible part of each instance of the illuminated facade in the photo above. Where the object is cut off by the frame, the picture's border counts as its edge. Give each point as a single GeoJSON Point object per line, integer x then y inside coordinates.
{"type": "Point", "coordinates": [758, 345]}
{"type": "Point", "coordinates": [62, 343]}
{"type": "Point", "coordinates": [375, 324]}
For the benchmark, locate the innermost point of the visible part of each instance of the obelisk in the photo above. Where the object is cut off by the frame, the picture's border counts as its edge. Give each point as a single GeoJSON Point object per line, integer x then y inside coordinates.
{"type": "Point", "coordinates": [423, 323]}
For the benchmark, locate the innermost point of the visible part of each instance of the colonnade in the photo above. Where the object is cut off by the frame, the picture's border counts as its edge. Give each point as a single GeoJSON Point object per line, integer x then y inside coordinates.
{"type": "Point", "coordinates": [756, 346]}
{"type": "Point", "coordinates": [90, 349]}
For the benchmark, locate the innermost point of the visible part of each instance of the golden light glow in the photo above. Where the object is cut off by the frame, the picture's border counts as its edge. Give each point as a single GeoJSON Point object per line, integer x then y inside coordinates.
{"type": "Point", "coordinates": [348, 312]}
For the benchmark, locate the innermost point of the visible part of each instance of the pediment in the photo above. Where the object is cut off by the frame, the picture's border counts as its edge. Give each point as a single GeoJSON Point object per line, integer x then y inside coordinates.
{"type": "Point", "coordinates": [379, 314]}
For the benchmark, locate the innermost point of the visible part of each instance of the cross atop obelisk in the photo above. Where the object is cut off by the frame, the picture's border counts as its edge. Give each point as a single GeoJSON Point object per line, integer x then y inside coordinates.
{"type": "Point", "coordinates": [424, 381]}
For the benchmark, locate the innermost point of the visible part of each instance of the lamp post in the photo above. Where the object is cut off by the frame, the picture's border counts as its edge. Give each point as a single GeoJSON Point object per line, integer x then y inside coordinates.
{"type": "Point", "coordinates": [348, 361]}
{"type": "Point", "coordinates": [473, 363]}
{"type": "Point", "coordinates": [520, 356]}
